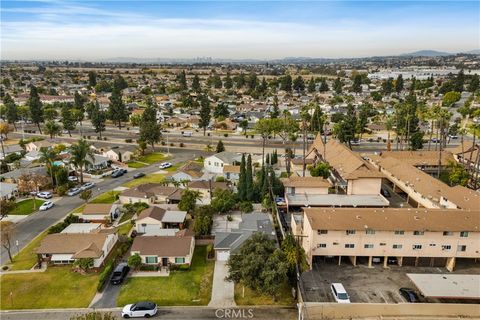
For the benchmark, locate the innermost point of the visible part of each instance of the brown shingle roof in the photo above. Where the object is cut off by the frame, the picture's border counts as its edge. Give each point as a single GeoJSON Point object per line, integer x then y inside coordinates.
{"type": "Point", "coordinates": [152, 212]}
{"type": "Point", "coordinates": [231, 169]}
{"type": "Point", "coordinates": [205, 184]}
{"type": "Point", "coordinates": [313, 182]}
{"type": "Point", "coordinates": [148, 190]}
{"type": "Point", "coordinates": [391, 219]}
{"type": "Point", "coordinates": [72, 243]}
{"type": "Point", "coordinates": [419, 158]}
{"type": "Point", "coordinates": [162, 246]}
{"type": "Point", "coordinates": [97, 208]}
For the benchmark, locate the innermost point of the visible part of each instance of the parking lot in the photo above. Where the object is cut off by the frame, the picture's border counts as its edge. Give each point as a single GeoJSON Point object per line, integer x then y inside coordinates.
{"type": "Point", "coordinates": [366, 285]}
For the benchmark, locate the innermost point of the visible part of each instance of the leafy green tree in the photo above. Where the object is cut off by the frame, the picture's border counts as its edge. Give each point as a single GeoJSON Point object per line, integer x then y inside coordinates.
{"type": "Point", "coordinates": [11, 113]}
{"type": "Point", "coordinates": [321, 169]}
{"type": "Point", "coordinates": [36, 107]}
{"type": "Point", "coordinates": [275, 112]}
{"type": "Point", "coordinates": [189, 200]}
{"type": "Point", "coordinates": [67, 119]}
{"type": "Point", "coordinates": [323, 86]}
{"type": "Point", "coordinates": [223, 201]}
{"type": "Point", "coordinates": [228, 82]}
{"type": "Point", "coordinates": [135, 261]}
{"type": "Point", "coordinates": [249, 187]}
{"type": "Point", "coordinates": [450, 98]}
{"type": "Point", "coordinates": [264, 128]}
{"type": "Point", "coordinates": [202, 224]}
{"type": "Point", "coordinates": [299, 84]}
{"type": "Point", "coordinates": [85, 195]}
{"type": "Point", "coordinates": [81, 155]}
{"type": "Point", "coordinates": [345, 129]}
{"type": "Point", "coordinates": [205, 113]}
{"type": "Point", "coordinates": [357, 83]}
{"type": "Point", "coordinates": [416, 140]}
{"type": "Point", "coordinates": [220, 147]}
{"type": "Point", "coordinates": [387, 86]}
{"type": "Point", "coordinates": [242, 182]}
{"type": "Point", "coordinates": [259, 265]}
{"type": "Point", "coordinates": [98, 119]}
{"type": "Point", "coordinates": [338, 86]}
{"type": "Point", "coordinates": [48, 157]}
{"type": "Point", "coordinates": [196, 84]}
{"type": "Point", "coordinates": [399, 84]}
{"type": "Point", "coordinates": [474, 83]}
{"type": "Point", "coordinates": [52, 128]}
{"type": "Point", "coordinates": [246, 206]}
{"type": "Point", "coordinates": [244, 125]}
{"type": "Point", "coordinates": [92, 79]}
{"type": "Point", "coordinates": [294, 255]}
{"type": "Point", "coordinates": [150, 130]}
{"type": "Point", "coordinates": [182, 81]}
{"type": "Point", "coordinates": [457, 174]}
{"type": "Point", "coordinates": [84, 263]}
{"type": "Point", "coordinates": [286, 83]}
{"type": "Point", "coordinates": [117, 110]}
{"type": "Point", "coordinates": [221, 110]}
{"type": "Point", "coordinates": [311, 85]}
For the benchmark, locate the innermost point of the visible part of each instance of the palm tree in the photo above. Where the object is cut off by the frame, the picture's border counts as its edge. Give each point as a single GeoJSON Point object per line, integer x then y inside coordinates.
{"type": "Point", "coordinates": [48, 157]}
{"type": "Point", "coordinates": [80, 153]}
{"type": "Point", "coordinates": [52, 128]}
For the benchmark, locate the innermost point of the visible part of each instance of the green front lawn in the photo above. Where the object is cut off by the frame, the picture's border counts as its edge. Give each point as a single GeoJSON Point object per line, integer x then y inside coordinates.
{"type": "Point", "coordinates": [25, 207]}
{"type": "Point", "coordinates": [136, 165]}
{"type": "Point", "coordinates": [149, 178]}
{"type": "Point", "coordinates": [250, 297]}
{"type": "Point", "coordinates": [107, 197]}
{"type": "Point", "coordinates": [27, 257]}
{"type": "Point", "coordinates": [124, 229]}
{"type": "Point", "coordinates": [58, 287]}
{"type": "Point", "coordinates": [175, 167]}
{"type": "Point", "coordinates": [152, 158]}
{"type": "Point", "coordinates": [180, 288]}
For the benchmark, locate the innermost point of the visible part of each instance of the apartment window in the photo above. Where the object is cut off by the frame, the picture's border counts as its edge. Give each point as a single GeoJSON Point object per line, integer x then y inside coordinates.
{"type": "Point", "coordinates": [151, 260]}
{"type": "Point", "coordinates": [319, 232]}
{"type": "Point", "coordinates": [397, 246]}
{"type": "Point", "coordinates": [321, 245]}
{"type": "Point", "coordinates": [383, 244]}
{"type": "Point", "coordinates": [368, 246]}
{"type": "Point", "coordinates": [461, 248]}
{"type": "Point", "coordinates": [349, 232]}
{"type": "Point", "coordinates": [369, 231]}
{"type": "Point", "coordinates": [418, 233]}
{"type": "Point", "coordinates": [464, 234]}
{"type": "Point", "coordinates": [417, 247]}
{"type": "Point", "coordinates": [349, 245]}
{"type": "Point", "coordinates": [399, 232]}
{"type": "Point", "coordinates": [335, 243]}
{"type": "Point", "coordinates": [447, 233]}
{"type": "Point", "coordinates": [432, 245]}
{"type": "Point", "coordinates": [446, 247]}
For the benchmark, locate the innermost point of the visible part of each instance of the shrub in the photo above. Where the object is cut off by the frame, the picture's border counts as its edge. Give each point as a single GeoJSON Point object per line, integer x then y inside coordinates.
{"type": "Point", "coordinates": [163, 143]}
{"type": "Point", "coordinates": [246, 206]}
{"type": "Point", "coordinates": [182, 145]}
{"type": "Point", "coordinates": [225, 135]}
{"type": "Point", "coordinates": [61, 190]}
{"type": "Point", "coordinates": [128, 140]}
{"type": "Point", "coordinates": [172, 144]}
{"type": "Point", "coordinates": [220, 179]}
{"type": "Point", "coordinates": [105, 138]}
{"type": "Point", "coordinates": [104, 275]}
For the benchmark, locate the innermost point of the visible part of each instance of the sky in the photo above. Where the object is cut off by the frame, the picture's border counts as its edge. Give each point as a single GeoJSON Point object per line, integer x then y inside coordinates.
{"type": "Point", "coordinates": [92, 30]}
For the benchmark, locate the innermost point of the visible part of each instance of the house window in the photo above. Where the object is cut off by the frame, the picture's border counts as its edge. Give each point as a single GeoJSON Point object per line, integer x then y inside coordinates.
{"type": "Point", "coordinates": [417, 247]}
{"type": "Point", "coordinates": [321, 245]}
{"type": "Point", "coordinates": [446, 247]}
{"type": "Point", "coordinates": [397, 246]}
{"type": "Point", "coordinates": [399, 232]}
{"type": "Point", "coordinates": [151, 260]}
{"type": "Point", "coordinates": [418, 233]}
{"type": "Point", "coordinates": [368, 246]}
{"type": "Point", "coordinates": [383, 244]}
{"type": "Point", "coordinates": [349, 245]}
{"type": "Point", "coordinates": [447, 233]}
{"type": "Point", "coordinates": [461, 248]}
{"type": "Point", "coordinates": [179, 260]}
{"type": "Point", "coordinates": [319, 232]}
{"type": "Point", "coordinates": [209, 163]}
{"type": "Point", "coordinates": [464, 234]}
{"type": "Point", "coordinates": [349, 232]}
{"type": "Point", "coordinates": [369, 231]}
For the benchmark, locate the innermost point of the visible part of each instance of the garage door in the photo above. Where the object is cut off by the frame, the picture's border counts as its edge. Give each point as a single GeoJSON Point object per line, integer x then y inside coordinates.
{"type": "Point", "coordinates": [223, 255]}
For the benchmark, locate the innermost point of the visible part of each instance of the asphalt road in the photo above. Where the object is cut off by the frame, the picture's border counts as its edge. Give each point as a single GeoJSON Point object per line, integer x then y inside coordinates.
{"type": "Point", "coordinates": [171, 313]}
{"type": "Point", "coordinates": [27, 229]}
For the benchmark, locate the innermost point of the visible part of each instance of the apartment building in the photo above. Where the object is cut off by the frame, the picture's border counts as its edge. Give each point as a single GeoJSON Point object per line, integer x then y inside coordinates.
{"type": "Point", "coordinates": [415, 237]}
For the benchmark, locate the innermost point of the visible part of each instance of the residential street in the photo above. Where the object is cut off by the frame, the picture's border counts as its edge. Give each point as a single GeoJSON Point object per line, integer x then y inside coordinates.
{"type": "Point", "coordinates": [174, 313]}
{"type": "Point", "coordinates": [27, 229]}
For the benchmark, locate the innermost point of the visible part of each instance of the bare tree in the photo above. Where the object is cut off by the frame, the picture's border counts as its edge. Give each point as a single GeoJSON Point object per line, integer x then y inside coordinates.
{"type": "Point", "coordinates": [30, 183]}
{"type": "Point", "coordinates": [7, 231]}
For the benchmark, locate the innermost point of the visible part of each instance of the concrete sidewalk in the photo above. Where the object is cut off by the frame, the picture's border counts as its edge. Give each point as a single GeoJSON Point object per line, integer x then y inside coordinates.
{"type": "Point", "coordinates": [222, 290]}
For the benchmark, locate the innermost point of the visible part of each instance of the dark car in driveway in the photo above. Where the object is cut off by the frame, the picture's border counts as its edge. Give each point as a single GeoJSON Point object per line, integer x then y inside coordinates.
{"type": "Point", "coordinates": [138, 175]}
{"type": "Point", "coordinates": [409, 295]}
{"type": "Point", "coordinates": [119, 273]}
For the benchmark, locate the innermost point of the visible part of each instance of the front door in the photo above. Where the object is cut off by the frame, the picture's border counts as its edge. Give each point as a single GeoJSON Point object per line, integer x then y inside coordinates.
{"type": "Point", "coordinates": [165, 262]}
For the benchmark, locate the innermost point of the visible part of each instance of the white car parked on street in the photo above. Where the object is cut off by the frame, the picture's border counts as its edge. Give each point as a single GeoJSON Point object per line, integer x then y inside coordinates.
{"type": "Point", "coordinates": [46, 205]}
{"type": "Point", "coordinates": [145, 309]}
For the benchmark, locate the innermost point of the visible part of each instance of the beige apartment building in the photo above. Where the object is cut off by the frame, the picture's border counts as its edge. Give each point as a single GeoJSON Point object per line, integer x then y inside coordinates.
{"type": "Point", "coordinates": [416, 237]}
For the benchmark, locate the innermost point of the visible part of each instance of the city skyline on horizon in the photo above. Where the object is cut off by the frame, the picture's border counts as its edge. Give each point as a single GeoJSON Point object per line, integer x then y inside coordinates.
{"type": "Point", "coordinates": [267, 30]}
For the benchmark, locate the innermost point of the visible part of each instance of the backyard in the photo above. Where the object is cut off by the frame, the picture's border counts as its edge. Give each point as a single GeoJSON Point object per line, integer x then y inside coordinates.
{"type": "Point", "coordinates": [192, 287]}
{"type": "Point", "coordinates": [57, 287]}
{"type": "Point", "coordinates": [25, 207]}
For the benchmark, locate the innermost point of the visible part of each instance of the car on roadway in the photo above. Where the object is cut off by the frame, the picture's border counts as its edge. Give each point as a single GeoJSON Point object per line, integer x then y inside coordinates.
{"type": "Point", "coordinates": [74, 191]}
{"type": "Point", "coordinates": [187, 134]}
{"type": "Point", "coordinates": [72, 178]}
{"type": "Point", "coordinates": [119, 273]}
{"type": "Point", "coordinates": [145, 309]}
{"type": "Point", "coordinates": [44, 195]}
{"type": "Point", "coordinates": [88, 185]}
{"type": "Point", "coordinates": [165, 165]}
{"type": "Point", "coordinates": [409, 295]}
{"type": "Point", "coordinates": [138, 175]}
{"type": "Point", "coordinates": [117, 173]}
{"type": "Point", "coordinates": [46, 205]}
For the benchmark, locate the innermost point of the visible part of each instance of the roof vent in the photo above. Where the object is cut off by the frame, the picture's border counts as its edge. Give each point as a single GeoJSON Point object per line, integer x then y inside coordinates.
{"type": "Point", "coordinates": [358, 217]}
{"type": "Point", "coordinates": [416, 218]}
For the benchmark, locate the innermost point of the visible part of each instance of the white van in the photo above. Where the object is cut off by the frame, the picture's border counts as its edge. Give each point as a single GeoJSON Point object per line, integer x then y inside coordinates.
{"type": "Point", "coordinates": [339, 293]}
{"type": "Point", "coordinates": [187, 134]}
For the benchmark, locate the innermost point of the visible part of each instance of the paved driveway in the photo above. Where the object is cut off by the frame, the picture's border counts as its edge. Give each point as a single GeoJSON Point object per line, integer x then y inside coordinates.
{"type": "Point", "coordinates": [222, 291]}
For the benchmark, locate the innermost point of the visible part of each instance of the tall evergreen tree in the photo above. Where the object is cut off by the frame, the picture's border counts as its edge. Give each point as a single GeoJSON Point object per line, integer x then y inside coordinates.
{"type": "Point", "coordinates": [11, 113]}
{"type": "Point", "coordinates": [299, 84]}
{"type": "Point", "coordinates": [36, 107]}
{"type": "Point", "coordinates": [249, 179]}
{"type": "Point", "coordinates": [98, 119]}
{"type": "Point", "coordinates": [150, 130]}
{"type": "Point", "coordinates": [117, 109]}
{"type": "Point", "coordinates": [241, 187]}
{"type": "Point", "coordinates": [267, 159]}
{"type": "Point", "coordinates": [357, 83]}
{"type": "Point", "coordinates": [311, 85]}
{"type": "Point", "coordinates": [228, 83]}
{"type": "Point", "coordinates": [275, 112]}
{"type": "Point", "coordinates": [323, 86]}
{"type": "Point", "coordinates": [182, 81]}
{"type": "Point", "coordinates": [205, 113]}
{"type": "Point", "coordinates": [67, 118]}
{"type": "Point", "coordinates": [92, 79]}
{"type": "Point", "coordinates": [399, 84]}
{"type": "Point", "coordinates": [196, 84]}
{"type": "Point", "coordinates": [338, 86]}
{"type": "Point", "coordinates": [220, 147]}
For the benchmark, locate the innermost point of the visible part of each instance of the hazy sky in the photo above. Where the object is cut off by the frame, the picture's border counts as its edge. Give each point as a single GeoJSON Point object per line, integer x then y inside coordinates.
{"type": "Point", "coordinates": [231, 29]}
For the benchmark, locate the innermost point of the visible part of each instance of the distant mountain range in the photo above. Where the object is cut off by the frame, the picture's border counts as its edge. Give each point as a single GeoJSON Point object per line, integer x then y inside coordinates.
{"type": "Point", "coordinates": [434, 53]}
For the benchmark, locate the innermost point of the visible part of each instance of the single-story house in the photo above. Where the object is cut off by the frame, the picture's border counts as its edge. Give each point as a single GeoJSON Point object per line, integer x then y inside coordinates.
{"type": "Point", "coordinates": [65, 248]}
{"type": "Point", "coordinates": [8, 190]}
{"type": "Point", "coordinates": [15, 176]}
{"type": "Point", "coordinates": [164, 250]}
{"type": "Point", "coordinates": [227, 243]}
{"type": "Point", "coordinates": [205, 187]}
{"type": "Point", "coordinates": [100, 212]}
{"type": "Point", "coordinates": [149, 193]}
{"type": "Point", "coordinates": [9, 149]}
{"type": "Point", "coordinates": [152, 219]}
{"type": "Point", "coordinates": [191, 171]}
{"type": "Point", "coordinates": [118, 154]}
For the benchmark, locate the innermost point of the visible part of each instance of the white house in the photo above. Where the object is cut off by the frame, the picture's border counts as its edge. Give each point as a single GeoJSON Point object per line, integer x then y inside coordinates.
{"type": "Point", "coordinates": [118, 155]}
{"type": "Point", "coordinates": [216, 162]}
{"type": "Point", "coordinates": [164, 251]}
{"type": "Point", "coordinates": [8, 190]}
{"type": "Point", "coordinates": [152, 220]}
